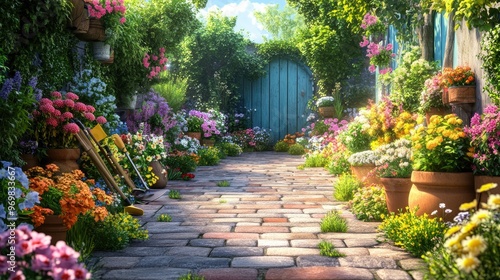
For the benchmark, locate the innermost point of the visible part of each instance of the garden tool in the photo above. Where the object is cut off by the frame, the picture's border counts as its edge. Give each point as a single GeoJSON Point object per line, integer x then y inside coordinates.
{"type": "Point", "coordinates": [103, 170]}
{"type": "Point", "coordinates": [98, 134]}
{"type": "Point", "coordinates": [119, 143]}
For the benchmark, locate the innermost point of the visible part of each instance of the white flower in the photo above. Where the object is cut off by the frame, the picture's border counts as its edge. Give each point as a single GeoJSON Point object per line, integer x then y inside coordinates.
{"type": "Point", "coordinates": [442, 205]}
{"type": "Point", "coordinates": [434, 212]}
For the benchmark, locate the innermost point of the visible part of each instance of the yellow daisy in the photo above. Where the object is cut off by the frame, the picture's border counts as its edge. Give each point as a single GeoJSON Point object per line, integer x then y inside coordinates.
{"type": "Point", "coordinates": [468, 205]}
{"type": "Point", "coordinates": [469, 227]}
{"type": "Point", "coordinates": [475, 244]}
{"type": "Point", "coordinates": [487, 187]}
{"type": "Point", "coordinates": [494, 201]}
{"type": "Point", "coordinates": [480, 216]}
{"type": "Point", "coordinates": [451, 231]}
{"type": "Point", "coordinates": [468, 263]}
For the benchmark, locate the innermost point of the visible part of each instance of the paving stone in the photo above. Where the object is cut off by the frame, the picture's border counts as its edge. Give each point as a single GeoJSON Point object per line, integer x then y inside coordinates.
{"type": "Point", "coordinates": [368, 262]}
{"type": "Point", "coordinates": [290, 236]}
{"type": "Point", "coordinates": [396, 254]}
{"type": "Point", "coordinates": [393, 274]}
{"type": "Point", "coordinates": [291, 251]}
{"type": "Point", "coordinates": [155, 261]}
{"type": "Point", "coordinates": [241, 242]}
{"type": "Point", "coordinates": [354, 251]}
{"type": "Point", "coordinates": [189, 251]}
{"type": "Point", "coordinates": [305, 229]}
{"type": "Point", "coordinates": [412, 264]}
{"type": "Point", "coordinates": [236, 220]}
{"type": "Point", "coordinates": [203, 242]}
{"type": "Point", "coordinates": [229, 273]}
{"type": "Point", "coordinates": [246, 224]}
{"type": "Point", "coordinates": [177, 235]}
{"type": "Point", "coordinates": [260, 229]}
{"type": "Point", "coordinates": [263, 262]}
{"type": "Point", "coordinates": [360, 242]}
{"type": "Point", "coordinates": [229, 252]}
{"type": "Point", "coordinates": [303, 261]}
{"type": "Point", "coordinates": [118, 262]}
{"type": "Point", "coordinates": [231, 235]}
{"type": "Point", "coordinates": [237, 211]}
{"type": "Point", "coordinates": [275, 220]}
{"type": "Point", "coordinates": [145, 273]}
{"type": "Point", "coordinates": [318, 272]}
{"type": "Point", "coordinates": [313, 243]}
{"type": "Point", "coordinates": [272, 243]}
{"type": "Point", "coordinates": [199, 262]}
{"type": "Point", "coordinates": [160, 242]}
{"type": "Point", "coordinates": [417, 274]}
{"type": "Point", "coordinates": [142, 251]}
{"type": "Point", "coordinates": [258, 206]}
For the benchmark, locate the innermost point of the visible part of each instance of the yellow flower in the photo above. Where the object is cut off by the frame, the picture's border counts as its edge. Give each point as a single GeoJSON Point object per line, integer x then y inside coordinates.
{"type": "Point", "coordinates": [446, 133]}
{"type": "Point", "coordinates": [494, 201]}
{"type": "Point", "coordinates": [487, 187]}
{"type": "Point", "coordinates": [480, 216]}
{"type": "Point", "coordinates": [468, 205]}
{"type": "Point", "coordinates": [469, 227]}
{"type": "Point", "coordinates": [149, 158]}
{"type": "Point", "coordinates": [451, 231]}
{"type": "Point", "coordinates": [475, 245]}
{"type": "Point", "coordinates": [453, 243]}
{"type": "Point", "coordinates": [468, 263]}
{"type": "Point", "coordinates": [431, 145]}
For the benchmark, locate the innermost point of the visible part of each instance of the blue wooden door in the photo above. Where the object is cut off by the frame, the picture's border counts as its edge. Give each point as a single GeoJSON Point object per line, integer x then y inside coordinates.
{"type": "Point", "coordinates": [278, 100]}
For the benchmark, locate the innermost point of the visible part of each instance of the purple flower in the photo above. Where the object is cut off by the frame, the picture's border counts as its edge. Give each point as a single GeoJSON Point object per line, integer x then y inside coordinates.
{"type": "Point", "coordinates": [17, 81]}
{"type": "Point", "coordinates": [6, 89]}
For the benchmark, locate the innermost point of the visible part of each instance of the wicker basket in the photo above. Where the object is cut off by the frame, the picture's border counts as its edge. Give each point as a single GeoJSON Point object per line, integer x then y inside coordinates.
{"type": "Point", "coordinates": [462, 94]}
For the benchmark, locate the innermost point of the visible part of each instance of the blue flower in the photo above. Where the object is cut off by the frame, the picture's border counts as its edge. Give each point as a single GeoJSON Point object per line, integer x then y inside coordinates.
{"type": "Point", "coordinates": [6, 89]}
{"type": "Point", "coordinates": [3, 214]}
{"type": "Point", "coordinates": [17, 81]}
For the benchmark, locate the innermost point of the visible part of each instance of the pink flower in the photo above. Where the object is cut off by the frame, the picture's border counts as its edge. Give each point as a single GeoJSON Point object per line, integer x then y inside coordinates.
{"type": "Point", "coordinates": [41, 262]}
{"type": "Point", "coordinates": [56, 94]}
{"type": "Point", "coordinates": [101, 120]}
{"type": "Point", "coordinates": [58, 103]}
{"type": "Point", "coordinates": [90, 108]}
{"type": "Point", "coordinates": [47, 109]}
{"type": "Point", "coordinates": [23, 248]}
{"type": "Point", "coordinates": [155, 58]}
{"type": "Point", "coordinates": [66, 255]}
{"type": "Point", "coordinates": [45, 101]}
{"type": "Point", "coordinates": [364, 43]}
{"type": "Point", "coordinates": [71, 128]}
{"type": "Point", "coordinates": [89, 116]}
{"type": "Point", "coordinates": [67, 115]}
{"type": "Point", "coordinates": [388, 47]}
{"type": "Point", "coordinates": [57, 113]}
{"type": "Point", "coordinates": [80, 107]}
{"type": "Point", "coordinates": [69, 103]}
{"type": "Point", "coordinates": [123, 20]}
{"type": "Point", "coordinates": [385, 71]}
{"type": "Point", "coordinates": [52, 122]}
{"type": "Point", "coordinates": [72, 96]}
{"type": "Point", "coordinates": [372, 68]}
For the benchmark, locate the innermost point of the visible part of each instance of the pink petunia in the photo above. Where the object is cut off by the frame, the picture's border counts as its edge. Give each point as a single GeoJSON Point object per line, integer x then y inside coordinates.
{"type": "Point", "coordinates": [71, 128]}
{"type": "Point", "coordinates": [89, 116]}
{"type": "Point", "coordinates": [69, 103]}
{"type": "Point", "coordinates": [101, 120]}
{"type": "Point", "coordinates": [42, 263]}
{"type": "Point", "coordinates": [72, 96]}
{"type": "Point", "coordinates": [56, 94]}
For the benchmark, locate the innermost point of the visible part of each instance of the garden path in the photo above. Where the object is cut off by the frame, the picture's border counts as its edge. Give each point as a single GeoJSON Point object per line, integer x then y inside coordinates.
{"type": "Point", "coordinates": [265, 225]}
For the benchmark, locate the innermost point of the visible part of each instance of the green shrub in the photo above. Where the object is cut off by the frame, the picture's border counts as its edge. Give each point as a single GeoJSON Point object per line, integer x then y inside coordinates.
{"type": "Point", "coordinates": [339, 164]}
{"type": "Point", "coordinates": [172, 89]}
{"type": "Point", "coordinates": [174, 174]}
{"type": "Point", "coordinates": [328, 250]}
{"type": "Point", "coordinates": [174, 194]}
{"type": "Point", "coordinates": [231, 149]}
{"type": "Point", "coordinates": [223, 183]}
{"type": "Point", "coordinates": [296, 149]}
{"type": "Point", "coordinates": [208, 156]}
{"type": "Point", "coordinates": [369, 204]}
{"type": "Point", "coordinates": [191, 276]}
{"type": "Point", "coordinates": [116, 232]}
{"type": "Point", "coordinates": [316, 160]}
{"type": "Point", "coordinates": [164, 218]}
{"type": "Point", "coordinates": [81, 236]}
{"type": "Point", "coordinates": [281, 146]}
{"type": "Point", "coordinates": [333, 222]}
{"type": "Point", "coordinates": [345, 187]}
{"type": "Point", "coordinates": [320, 127]}
{"type": "Point", "coordinates": [416, 234]}
{"type": "Point", "coordinates": [184, 162]}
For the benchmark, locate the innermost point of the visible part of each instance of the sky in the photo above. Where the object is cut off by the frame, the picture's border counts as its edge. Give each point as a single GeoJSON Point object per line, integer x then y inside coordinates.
{"type": "Point", "coordinates": [244, 10]}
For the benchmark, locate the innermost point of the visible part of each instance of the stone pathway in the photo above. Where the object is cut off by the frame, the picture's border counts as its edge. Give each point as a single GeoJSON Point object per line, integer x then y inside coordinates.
{"type": "Point", "coordinates": [265, 225]}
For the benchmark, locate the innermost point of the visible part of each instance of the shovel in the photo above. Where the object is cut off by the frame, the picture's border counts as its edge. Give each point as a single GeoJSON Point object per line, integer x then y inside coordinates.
{"type": "Point", "coordinates": [119, 143]}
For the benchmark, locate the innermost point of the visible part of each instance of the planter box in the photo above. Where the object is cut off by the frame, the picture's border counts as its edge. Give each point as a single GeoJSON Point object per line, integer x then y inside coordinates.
{"type": "Point", "coordinates": [462, 94]}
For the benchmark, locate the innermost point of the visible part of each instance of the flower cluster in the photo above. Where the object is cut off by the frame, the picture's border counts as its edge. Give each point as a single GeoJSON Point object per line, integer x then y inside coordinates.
{"type": "Point", "coordinates": [187, 176]}
{"type": "Point", "coordinates": [380, 56]}
{"type": "Point", "coordinates": [66, 195]}
{"type": "Point", "coordinates": [484, 132]}
{"type": "Point", "coordinates": [53, 119]}
{"type": "Point", "coordinates": [291, 139]}
{"type": "Point", "coordinates": [368, 204]}
{"type": "Point", "coordinates": [262, 138]}
{"type": "Point", "coordinates": [37, 259]}
{"type": "Point", "coordinates": [363, 158]}
{"type": "Point", "coordinates": [244, 138]}
{"type": "Point", "coordinates": [325, 101]}
{"type": "Point", "coordinates": [103, 9]}
{"type": "Point", "coordinates": [15, 84]}
{"type": "Point", "coordinates": [442, 146]}
{"type": "Point", "coordinates": [186, 144]}
{"type": "Point", "coordinates": [460, 76]}
{"type": "Point", "coordinates": [16, 197]}
{"type": "Point", "coordinates": [470, 248]}
{"type": "Point", "coordinates": [431, 96]}
{"type": "Point", "coordinates": [356, 138]}
{"type": "Point", "coordinates": [394, 159]}
{"type": "Point", "coordinates": [372, 25]}
{"type": "Point", "coordinates": [155, 63]}
{"type": "Point", "coordinates": [154, 117]}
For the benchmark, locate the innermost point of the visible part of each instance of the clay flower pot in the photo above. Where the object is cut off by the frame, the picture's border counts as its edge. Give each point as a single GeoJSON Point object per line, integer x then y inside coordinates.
{"type": "Point", "coordinates": [397, 191]}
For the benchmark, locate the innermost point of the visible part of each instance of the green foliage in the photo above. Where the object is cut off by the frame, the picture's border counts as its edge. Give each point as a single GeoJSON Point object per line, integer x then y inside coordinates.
{"type": "Point", "coordinates": [191, 276]}
{"type": "Point", "coordinates": [185, 163]}
{"type": "Point", "coordinates": [416, 234]}
{"type": "Point", "coordinates": [174, 194]}
{"type": "Point", "coordinates": [369, 204]}
{"type": "Point", "coordinates": [328, 250]}
{"type": "Point", "coordinates": [164, 218]}
{"type": "Point", "coordinates": [223, 183]}
{"type": "Point", "coordinates": [354, 138]}
{"type": "Point", "coordinates": [230, 149]}
{"type": "Point", "coordinates": [490, 56]}
{"type": "Point", "coordinates": [283, 24]}
{"type": "Point", "coordinates": [208, 156]}
{"type": "Point", "coordinates": [483, 15]}
{"type": "Point", "coordinates": [173, 89]}
{"type": "Point", "coordinates": [339, 164]}
{"type": "Point", "coordinates": [357, 95]}
{"type": "Point", "coordinates": [408, 80]}
{"type": "Point", "coordinates": [320, 127]}
{"type": "Point", "coordinates": [279, 48]}
{"type": "Point", "coordinates": [116, 232]}
{"type": "Point", "coordinates": [345, 187]}
{"type": "Point", "coordinates": [281, 146]}
{"type": "Point", "coordinates": [296, 149]}
{"type": "Point", "coordinates": [333, 222]}
{"type": "Point", "coordinates": [316, 160]}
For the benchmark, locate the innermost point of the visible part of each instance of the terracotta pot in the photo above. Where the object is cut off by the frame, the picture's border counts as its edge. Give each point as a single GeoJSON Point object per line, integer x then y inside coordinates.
{"type": "Point", "coordinates": [79, 20]}
{"type": "Point", "coordinates": [95, 33]}
{"type": "Point", "coordinates": [326, 112]}
{"type": "Point", "coordinates": [362, 173]}
{"type": "Point", "coordinates": [208, 142]}
{"type": "Point", "coordinates": [31, 161]}
{"type": "Point", "coordinates": [462, 94]}
{"type": "Point", "coordinates": [436, 111]}
{"type": "Point", "coordinates": [66, 159]}
{"type": "Point", "coordinates": [429, 189]}
{"type": "Point", "coordinates": [54, 227]}
{"type": "Point", "coordinates": [444, 96]}
{"type": "Point", "coordinates": [196, 135]}
{"type": "Point", "coordinates": [396, 193]}
{"type": "Point", "coordinates": [158, 170]}
{"type": "Point", "coordinates": [480, 180]}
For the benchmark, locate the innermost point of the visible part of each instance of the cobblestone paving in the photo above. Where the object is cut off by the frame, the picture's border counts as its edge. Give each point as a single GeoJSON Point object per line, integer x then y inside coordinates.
{"type": "Point", "coordinates": [265, 225]}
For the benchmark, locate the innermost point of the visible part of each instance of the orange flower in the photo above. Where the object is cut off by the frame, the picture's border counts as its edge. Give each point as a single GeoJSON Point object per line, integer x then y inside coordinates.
{"type": "Point", "coordinates": [100, 213]}
{"type": "Point", "coordinates": [38, 215]}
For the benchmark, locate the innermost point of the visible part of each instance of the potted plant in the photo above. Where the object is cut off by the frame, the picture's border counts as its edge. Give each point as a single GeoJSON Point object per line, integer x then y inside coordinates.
{"type": "Point", "coordinates": [441, 165]}
{"type": "Point", "coordinates": [63, 198]}
{"type": "Point", "coordinates": [105, 23]}
{"type": "Point", "coordinates": [431, 98]}
{"type": "Point", "coordinates": [483, 132]}
{"type": "Point", "coordinates": [325, 106]}
{"type": "Point", "coordinates": [394, 169]}
{"type": "Point", "coordinates": [461, 84]}
{"type": "Point", "coordinates": [194, 121]}
{"type": "Point", "coordinates": [55, 131]}
{"type": "Point", "coordinates": [362, 166]}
